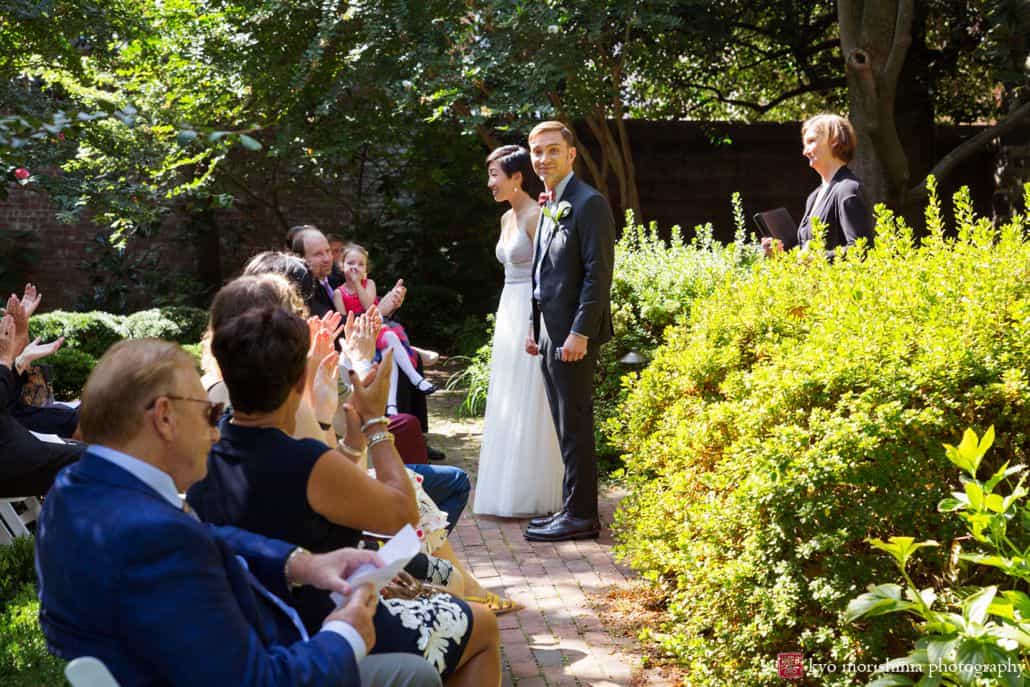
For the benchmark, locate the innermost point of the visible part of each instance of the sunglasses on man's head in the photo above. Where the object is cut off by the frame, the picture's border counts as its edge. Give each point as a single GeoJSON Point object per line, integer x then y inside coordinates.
{"type": "Point", "coordinates": [214, 413]}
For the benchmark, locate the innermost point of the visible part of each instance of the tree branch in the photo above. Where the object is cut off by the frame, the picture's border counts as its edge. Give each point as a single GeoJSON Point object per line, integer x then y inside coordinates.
{"type": "Point", "coordinates": [900, 44]}
{"type": "Point", "coordinates": [762, 108]}
{"type": "Point", "coordinates": [848, 19]}
{"type": "Point", "coordinates": [967, 148]}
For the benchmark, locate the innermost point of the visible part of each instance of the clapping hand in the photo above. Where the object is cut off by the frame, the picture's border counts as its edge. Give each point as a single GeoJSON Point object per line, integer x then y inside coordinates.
{"type": "Point", "coordinates": [21, 322]}
{"type": "Point", "coordinates": [369, 396]}
{"type": "Point", "coordinates": [359, 336]}
{"type": "Point", "coordinates": [7, 341]}
{"type": "Point", "coordinates": [322, 372]}
{"type": "Point", "coordinates": [392, 301]}
{"type": "Point", "coordinates": [35, 350]}
{"type": "Point", "coordinates": [30, 301]}
{"type": "Point", "coordinates": [332, 323]}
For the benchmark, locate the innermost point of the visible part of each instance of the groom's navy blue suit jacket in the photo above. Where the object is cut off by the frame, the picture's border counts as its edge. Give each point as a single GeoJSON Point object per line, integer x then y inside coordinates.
{"type": "Point", "coordinates": [160, 597]}
{"type": "Point", "coordinates": [576, 263]}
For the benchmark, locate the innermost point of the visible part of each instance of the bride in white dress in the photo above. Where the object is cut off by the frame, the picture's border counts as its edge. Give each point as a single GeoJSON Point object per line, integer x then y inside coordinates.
{"type": "Point", "coordinates": [520, 465]}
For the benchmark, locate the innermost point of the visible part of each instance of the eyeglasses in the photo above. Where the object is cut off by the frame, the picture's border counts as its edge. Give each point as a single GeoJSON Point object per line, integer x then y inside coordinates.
{"type": "Point", "coordinates": [214, 413]}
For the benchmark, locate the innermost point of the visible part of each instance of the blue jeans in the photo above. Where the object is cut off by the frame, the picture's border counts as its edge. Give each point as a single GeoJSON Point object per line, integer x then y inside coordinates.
{"type": "Point", "coordinates": [448, 486]}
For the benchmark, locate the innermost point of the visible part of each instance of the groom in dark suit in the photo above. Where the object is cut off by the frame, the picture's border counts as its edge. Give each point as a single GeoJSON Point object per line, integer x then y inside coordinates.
{"type": "Point", "coordinates": [572, 280]}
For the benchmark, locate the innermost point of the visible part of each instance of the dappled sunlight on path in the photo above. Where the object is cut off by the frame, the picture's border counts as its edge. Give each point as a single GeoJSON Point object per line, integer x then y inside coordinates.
{"type": "Point", "coordinates": [556, 639]}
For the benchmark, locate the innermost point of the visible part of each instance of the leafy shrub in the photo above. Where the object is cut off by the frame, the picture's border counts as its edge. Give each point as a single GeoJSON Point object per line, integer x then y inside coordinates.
{"type": "Point", "coordinates": [88, 335]}
{"type": "Point", "coordinates": [24, 660]}
{"type": "Point", "coordinates": [69, 371]}
{"type": "Point", "coordinates": [797, 412]}
{"type": "Point", "coordinates": [181, 324]}
{"type": "Point", "coordinates": [89, 332]}
{"type": "Point", "coordinates": [975, 632]}
{"type": "Point", "coordinates": [16, 568]}
{"type": "Point", "coordinates": [475, 377]}
{"type": "Point", "coordinates": [654, 286]}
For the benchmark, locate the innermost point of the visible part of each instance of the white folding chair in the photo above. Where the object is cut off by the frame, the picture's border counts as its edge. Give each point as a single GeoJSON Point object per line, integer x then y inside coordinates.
{"type": "Point", "coordinates": [14, 523]}
{"type": "Point", "coordinates": [87, 671]}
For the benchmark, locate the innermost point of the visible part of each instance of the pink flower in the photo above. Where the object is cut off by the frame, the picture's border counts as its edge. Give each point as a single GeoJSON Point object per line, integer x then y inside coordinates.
{"type": "Point", "coordinates": [21, 174]}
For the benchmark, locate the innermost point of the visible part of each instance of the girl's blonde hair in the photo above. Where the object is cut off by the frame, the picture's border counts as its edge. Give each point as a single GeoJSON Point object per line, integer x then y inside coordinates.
{"type": "Point", "coordinates": [357, 248]}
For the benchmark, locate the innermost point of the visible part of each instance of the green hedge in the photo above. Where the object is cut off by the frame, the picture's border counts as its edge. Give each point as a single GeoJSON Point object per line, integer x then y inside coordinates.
{"type": "Point", "coordinates": [88, 335]}
{"type": "Point", "coordinates": [174, 323]}
{"type": "Point", "coordinates": [654, 286]}
{"type": "Point", "coordinates": [91, 333]}
{"type": "Point", "coordinates": [24, 659]}
{"type": "Point", "coordinates": [800, 410]}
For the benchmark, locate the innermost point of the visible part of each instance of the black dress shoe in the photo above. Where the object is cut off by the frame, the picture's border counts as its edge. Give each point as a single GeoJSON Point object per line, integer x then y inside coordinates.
{"type": "Point", "coordinates": [435, 453]}
{"type": "Point", "coordinates": [545, 519]}
{"type": "Point", "coordinates": [565, 528]}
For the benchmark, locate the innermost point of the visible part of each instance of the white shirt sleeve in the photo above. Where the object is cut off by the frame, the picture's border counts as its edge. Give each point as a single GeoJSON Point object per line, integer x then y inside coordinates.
{"type": "Point", "coordinates": [350, 635]}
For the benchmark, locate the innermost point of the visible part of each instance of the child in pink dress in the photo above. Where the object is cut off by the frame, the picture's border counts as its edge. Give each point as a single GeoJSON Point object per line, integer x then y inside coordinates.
{"type": "Point", "coordinates": [356, 295]}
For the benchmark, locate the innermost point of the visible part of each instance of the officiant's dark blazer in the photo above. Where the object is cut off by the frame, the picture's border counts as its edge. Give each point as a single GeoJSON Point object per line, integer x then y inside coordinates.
{"type": "Point", "coordinates": [843, 210]}
{"type": "Point", "coordinates": [576, 263]}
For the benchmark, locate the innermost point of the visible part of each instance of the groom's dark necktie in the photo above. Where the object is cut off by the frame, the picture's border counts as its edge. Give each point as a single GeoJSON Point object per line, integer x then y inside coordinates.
{"type": "Point", "coordinates": [328, 289]}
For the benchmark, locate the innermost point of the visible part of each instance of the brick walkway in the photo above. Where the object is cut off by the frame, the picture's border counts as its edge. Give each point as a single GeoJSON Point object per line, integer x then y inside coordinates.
{"type": "Point", "coordinates": [556, 639]}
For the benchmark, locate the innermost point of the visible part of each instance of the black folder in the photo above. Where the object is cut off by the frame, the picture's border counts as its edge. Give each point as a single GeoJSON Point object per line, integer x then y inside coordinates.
{"type": "Point", "coordinates": [778, 224]}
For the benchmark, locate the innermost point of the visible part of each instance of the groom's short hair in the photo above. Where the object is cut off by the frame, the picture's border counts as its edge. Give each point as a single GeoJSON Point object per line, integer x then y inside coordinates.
{"type": "Point", "coordinates": [554, 125]}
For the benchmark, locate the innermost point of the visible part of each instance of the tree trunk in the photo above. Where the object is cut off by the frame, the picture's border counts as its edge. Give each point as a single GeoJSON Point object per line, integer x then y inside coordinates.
{"type": "Point", "coordinates": [875, 37]}
{"type": "Point", "coordinates": [916, 115]}
{"type": "Point", "coordinates": [1012, 165]}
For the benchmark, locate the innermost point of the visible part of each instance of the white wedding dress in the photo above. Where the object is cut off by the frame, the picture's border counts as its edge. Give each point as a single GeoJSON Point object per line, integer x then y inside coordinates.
{"type": "Point", "coordinates": [520, 465]}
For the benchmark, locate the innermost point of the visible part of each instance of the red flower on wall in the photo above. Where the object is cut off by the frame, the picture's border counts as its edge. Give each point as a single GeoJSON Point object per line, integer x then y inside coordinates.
{"type": "Point", "coordinates": [21, 174]}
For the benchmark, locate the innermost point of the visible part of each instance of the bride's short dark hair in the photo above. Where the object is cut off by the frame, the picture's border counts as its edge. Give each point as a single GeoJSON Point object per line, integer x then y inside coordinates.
{"type": "Point", "coordinates": [514, 159]}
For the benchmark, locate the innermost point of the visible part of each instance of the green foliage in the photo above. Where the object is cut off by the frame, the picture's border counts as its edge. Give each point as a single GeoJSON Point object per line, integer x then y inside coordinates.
{"type": "Point", "coordinates": [16, 568]}
{"type": "Point", "coordinates": [968, 624]}
{"type": "Point", "coordinates": [796, 413]}
{"type": "Point", "coordinates": [475, 376]}
{"type": "Point", "coordinates": [70, 369]}
{"type": "Point", "coordinates": [91, 333]}
{"type": "Point", "coordinates": [88, 335]}
{"type": "Point", "coordinates": [655, 284]}
{"type": "Point", "coordinates": [24, 660]}
{"type": "Point", "coordinates": [181, 324]}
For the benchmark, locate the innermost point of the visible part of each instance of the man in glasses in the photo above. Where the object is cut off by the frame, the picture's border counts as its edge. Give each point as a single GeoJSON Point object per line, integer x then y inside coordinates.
{"type": "Point", "coordinates": [129, 576]}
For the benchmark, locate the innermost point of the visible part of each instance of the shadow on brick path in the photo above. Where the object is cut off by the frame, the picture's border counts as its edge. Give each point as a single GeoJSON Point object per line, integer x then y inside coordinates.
{"type": "Point", "coordinates": [556, 639]}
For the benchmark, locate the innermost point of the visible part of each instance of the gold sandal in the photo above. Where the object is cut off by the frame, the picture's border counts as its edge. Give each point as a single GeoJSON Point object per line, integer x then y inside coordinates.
{"type": "Point", "coordinates": [498, 605]}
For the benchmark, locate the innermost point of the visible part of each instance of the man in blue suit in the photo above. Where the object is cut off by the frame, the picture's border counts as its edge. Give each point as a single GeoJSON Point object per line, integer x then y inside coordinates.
{"type": "Point", "coordinates": [130, 577]}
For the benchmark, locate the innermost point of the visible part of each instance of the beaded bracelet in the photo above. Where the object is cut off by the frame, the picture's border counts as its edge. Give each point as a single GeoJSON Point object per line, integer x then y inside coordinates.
{"type": "Point", "coordinates": [348, 450]}
{"type": "Point", "coordinates": [379, 437]}
{"type": "Point", "coordinates": [375, 421]}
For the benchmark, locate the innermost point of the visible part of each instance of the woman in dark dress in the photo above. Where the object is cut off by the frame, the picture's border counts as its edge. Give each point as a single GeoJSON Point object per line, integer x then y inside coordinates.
{"type": "Point", "coordinates": [262, 479]}
{"type": "Point", "coordinates": [829, 145]}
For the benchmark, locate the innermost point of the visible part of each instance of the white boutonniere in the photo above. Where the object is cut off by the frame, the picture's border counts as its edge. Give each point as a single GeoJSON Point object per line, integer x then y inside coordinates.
{"type": "Point", "coordinates": [563, 210]}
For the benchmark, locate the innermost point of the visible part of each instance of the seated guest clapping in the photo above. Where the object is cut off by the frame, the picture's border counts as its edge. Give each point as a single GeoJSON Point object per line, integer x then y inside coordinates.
{"type": "Point", "coordinates": [263, 479]}
{"type": "Point", "coordinates": [130, 577]}
{"type": "Point", "coordinates": [437, 488]}
{"type": "Point", "coordinates": [447, 485]}
{"type": "Point", "coordinates": [27, 465]}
